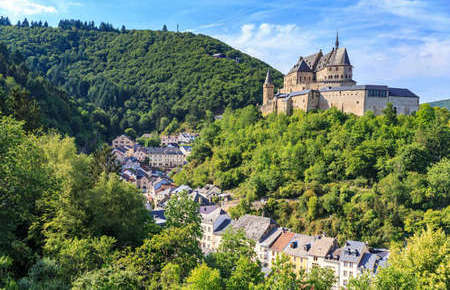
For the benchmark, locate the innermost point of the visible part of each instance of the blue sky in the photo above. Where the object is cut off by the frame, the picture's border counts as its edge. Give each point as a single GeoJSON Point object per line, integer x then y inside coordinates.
{"type": "Point", "coordinates": [402, 43]}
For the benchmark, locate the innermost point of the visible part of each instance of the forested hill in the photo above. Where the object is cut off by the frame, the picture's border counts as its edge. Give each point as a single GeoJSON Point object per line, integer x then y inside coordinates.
{"type": "Point", "coordinates": [31, 98]}
{"type": "Point", "coordinates": [140, 79]}
{"type": "Point", "coordinates": [371, 178]}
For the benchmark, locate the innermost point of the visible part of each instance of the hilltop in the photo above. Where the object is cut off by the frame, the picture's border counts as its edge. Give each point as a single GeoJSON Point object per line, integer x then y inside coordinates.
{"type": "Point", "coordinates": [441, 103]}
{"type": "Point", "coordinates": [140, 79]}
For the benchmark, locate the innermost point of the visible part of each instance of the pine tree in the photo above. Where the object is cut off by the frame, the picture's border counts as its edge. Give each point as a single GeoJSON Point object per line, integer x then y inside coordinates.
{"type": "Point", "coordinates": [25, 23]}
{"type": "Point", "coordinates": [164, 28]}
{"type": "Point", "coordinates": [123, 29]}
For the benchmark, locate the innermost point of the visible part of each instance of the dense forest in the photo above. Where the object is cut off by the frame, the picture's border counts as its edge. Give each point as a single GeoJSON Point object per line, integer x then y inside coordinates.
{"type": "Point", "coordinates": [373, 178]}
{"type": "Point", "coordinates": [138, 79]}
{"type": "Point", "coordinates": [27, 96]}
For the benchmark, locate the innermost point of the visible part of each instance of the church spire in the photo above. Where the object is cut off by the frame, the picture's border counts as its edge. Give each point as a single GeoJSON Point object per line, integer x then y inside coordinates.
{"type": "Point", "coordinates": [337, 41]}
{"type": "Point", "coordinates": [268, 78]}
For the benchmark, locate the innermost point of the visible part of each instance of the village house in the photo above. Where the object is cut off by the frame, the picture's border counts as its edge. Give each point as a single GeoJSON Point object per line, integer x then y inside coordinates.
{"type": "Point", "coordinates": [256, 228]}
{"type": "Point", "coordinates": [123, 140]}
{"type": "Point", "coordinates": [214, 223]}
{"type": "Point", "coordinates": [165, 157]}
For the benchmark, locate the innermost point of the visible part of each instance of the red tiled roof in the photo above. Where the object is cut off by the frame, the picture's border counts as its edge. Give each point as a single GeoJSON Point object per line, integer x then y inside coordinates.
{"type": "Point", "coordinates": [282, 241]}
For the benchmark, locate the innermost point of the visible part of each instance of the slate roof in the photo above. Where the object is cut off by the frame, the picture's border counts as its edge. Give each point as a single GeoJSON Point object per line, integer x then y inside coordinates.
{"type": "Point", "coordinates": [158, 216]}
{"type": "Point", "coordinates": [207, 209]}
{"type": "Point", "coordinates": [268, 77]}
{"type": "Point", "coordinates": [352, 251]}
{"type": "Point", "coordinates": [398, 92]}
{"type": "Point", "coordinates": [271, 237]}
{"type": "Point", "coordinates": [299, 245]}
{"type": "Point", "coordinates": [255, 227]}
{"type": "Point", "coordinates": [282, 241]}
{"type": "Point", "coordinates": [355, 88]}
{"type": "Point", "coordinates": [322, 246]}
{"type": "Point", "coordinates": [163, 150]}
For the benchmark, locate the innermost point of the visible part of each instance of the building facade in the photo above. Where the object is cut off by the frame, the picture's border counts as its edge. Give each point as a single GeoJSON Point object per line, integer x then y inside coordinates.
{"type": "Point", "coordinates": [322, 81]}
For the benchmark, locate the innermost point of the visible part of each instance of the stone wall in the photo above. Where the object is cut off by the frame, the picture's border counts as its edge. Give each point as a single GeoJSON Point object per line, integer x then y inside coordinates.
{"type": "Point", "coordinates": [351, 101]}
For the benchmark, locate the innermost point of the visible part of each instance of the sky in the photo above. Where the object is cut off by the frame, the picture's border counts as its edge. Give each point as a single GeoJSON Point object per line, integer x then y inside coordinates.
{"type": "Point", "coordinates": [399, 43]}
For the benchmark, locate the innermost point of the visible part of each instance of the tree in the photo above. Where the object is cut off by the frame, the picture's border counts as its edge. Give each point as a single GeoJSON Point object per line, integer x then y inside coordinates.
{"type": "Point", "coordinates": [123, 29]}
{"type": "Point", "coordinates": [45, 274]}
{"type": "Point", "coordinates": [77, 256]}
{"type": "Point", "coordinates": [108, 278]}
{"type": "Point", "coordinates": [321, 278]}
{"type": "Point", "coordinates": [105, 161]}
{"type": "Point", "coordinates": [203, 278]}
{"type": "Point", "coordinates": [171, 276]}
{"type": "Point", "coordinates": [233, 246]}
{"type": "Point", "coordinates": [423, 264]}
{"type": "Point", "coordinates": [164, 28]}
{"type": "Point", "coordinates": [25, 23]}
{"type": "Point", "coordinates": [173, 245]}
{"type": "Point", "coordinates": [130, 132]}
{"type": "Point", "coordinates": [25, 178]}
{"type": "Point", "coordinates": [246, 274]}
{"type": "Point", "coordinates": [183, 211]}
{"type": "Point", "coordinates": [282, 275]}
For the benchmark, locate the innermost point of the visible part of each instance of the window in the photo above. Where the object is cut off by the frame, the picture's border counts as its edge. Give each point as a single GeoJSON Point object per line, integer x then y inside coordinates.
{"type": "Point", "coordinates": [351, 274]}
{"type": "Point", "coordinates": [315, 259]}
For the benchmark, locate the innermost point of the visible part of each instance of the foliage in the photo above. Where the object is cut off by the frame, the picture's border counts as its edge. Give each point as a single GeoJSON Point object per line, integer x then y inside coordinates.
{"type": "Point", "coordinates": [282, 275]}
{"type": "Point", "coordinates": [107, 278]}
{"type": "Point", "coordinates": [27, 96]}
{"type": "Point", "coordinates": [136, 78]}
{"type": "Point", "coordinates": [233, 246]}
{"type": "Point", "coordinates": [203, 278]}
{"type": "Point", "coordinates": [368, 178]}
{"type": "Point", "coordinates": [321, 278]}
{"type": "Point", "coordinates": [183, 211]}
{"type": "Point", "coordinates": [423, 264]}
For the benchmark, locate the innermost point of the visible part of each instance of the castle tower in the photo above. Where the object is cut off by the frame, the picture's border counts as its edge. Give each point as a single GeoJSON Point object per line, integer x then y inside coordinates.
{"type": "Point", "coordinates": [336, 44]}
{"type": "Point", "coordinates": [268, 88]}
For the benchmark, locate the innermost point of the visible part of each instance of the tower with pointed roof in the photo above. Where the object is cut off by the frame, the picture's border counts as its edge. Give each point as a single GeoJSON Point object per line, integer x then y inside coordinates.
{"type": "Point", "coordinates": [268, 88]}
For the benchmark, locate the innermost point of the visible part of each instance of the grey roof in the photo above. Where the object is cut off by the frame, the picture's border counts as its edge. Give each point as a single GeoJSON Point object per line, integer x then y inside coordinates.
{"type": "Point", "coordinates": [271, 237]}
{"type": "Point", "coordinates": [352, 251]}
{"type": "Point", "coordinates": [183, 187]}
{"type": "Point", "coordinates": [299, 93]}
{"type": "Point", "coordinates": [398, 92]}
{"type": "Point", "coordinates": [355, 88]}
{"type": "Point", "coordinates": [369, 262]}
{"type": "Point", "coordinates": [268, 77]}
{"type": "Point", "coordinates": [164, 150]}
{"type": "Point", "coordinates": [255, 227]}
{"type": "Point", "coordinates": [221, 223]}
{"type": "Point", "coordinates": [207, 209]}
{"type": "Point", "coordinates": [322, 246]}
{"type": "Point", "coordinates": [158, 216]}
{"type": "Point", "coordinates": [339, 57]}
{"type": "Point", "coordinates": [299, 245]}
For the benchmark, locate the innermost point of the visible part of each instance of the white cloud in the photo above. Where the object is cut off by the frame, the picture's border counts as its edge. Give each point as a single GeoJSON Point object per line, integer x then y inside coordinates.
{"type": "Point", "coordinates": [278, 45]}
{"type": "Point", "coordinates": [25, 7]}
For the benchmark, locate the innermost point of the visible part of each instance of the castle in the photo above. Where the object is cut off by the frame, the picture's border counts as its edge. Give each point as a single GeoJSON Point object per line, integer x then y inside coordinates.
{"type": "Point", "coordinates": [322, 81]}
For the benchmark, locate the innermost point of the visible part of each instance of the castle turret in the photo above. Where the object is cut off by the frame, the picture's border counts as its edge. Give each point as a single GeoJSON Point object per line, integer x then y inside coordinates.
{"type": "Point", "coordinates": [268, 88]}
{"type": "Point", "coordinates": [336, 44]}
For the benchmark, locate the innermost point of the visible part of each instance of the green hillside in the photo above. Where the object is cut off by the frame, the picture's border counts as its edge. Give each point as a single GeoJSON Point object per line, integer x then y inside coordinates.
{"type": "Point", "coordinates": [441, 103]}
{"type": "Point", "coordinates": [140, 79]}
{"type": "Point", "coordinates": [31, 98]}
{"type": "Point", "coordinates": [372, 178]}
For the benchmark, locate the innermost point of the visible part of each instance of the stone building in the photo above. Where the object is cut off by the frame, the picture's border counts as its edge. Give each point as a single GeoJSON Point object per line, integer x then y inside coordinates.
{"type": "Point", "coordinates": [321, 81]}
